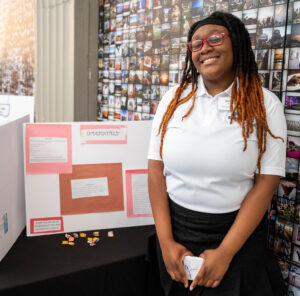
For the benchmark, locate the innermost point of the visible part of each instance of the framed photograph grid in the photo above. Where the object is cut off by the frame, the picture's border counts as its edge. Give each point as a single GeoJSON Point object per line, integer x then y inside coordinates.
{"type": "Point", "coordinates": [284, 212]}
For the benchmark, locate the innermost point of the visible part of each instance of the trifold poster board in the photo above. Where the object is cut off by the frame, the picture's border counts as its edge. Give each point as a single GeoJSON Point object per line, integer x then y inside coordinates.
{"type": "Point", "coordinates": [14, 107]}
{"type": "Point", "coordinates": [85, 176]}
{"type": "Point", "coordinates": [12, 198]}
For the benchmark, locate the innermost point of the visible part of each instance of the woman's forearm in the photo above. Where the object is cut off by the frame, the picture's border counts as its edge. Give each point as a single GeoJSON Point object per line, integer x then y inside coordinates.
{"type": "Point", "coordinates": [172, 252]}
{"type": "Point", "coordinates": [250, 214]}
{"type": "Point", "coordinates": [159, 201]}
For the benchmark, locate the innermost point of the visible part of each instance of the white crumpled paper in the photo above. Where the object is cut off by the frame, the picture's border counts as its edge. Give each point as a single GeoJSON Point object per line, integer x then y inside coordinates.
{"type": "Point", "coordinates": [192, 265]}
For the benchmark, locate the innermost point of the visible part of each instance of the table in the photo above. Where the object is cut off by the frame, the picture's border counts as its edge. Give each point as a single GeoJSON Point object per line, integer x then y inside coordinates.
{"type": "Point", "coordinates": [114, 266]}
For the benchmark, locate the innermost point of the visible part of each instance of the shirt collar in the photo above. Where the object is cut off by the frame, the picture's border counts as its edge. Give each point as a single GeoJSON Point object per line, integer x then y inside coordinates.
{"type": "Point", "coordinates": [203, 91]}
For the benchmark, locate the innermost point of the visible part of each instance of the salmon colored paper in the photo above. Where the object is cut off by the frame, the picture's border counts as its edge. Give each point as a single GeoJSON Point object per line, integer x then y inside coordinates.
{"type": "Point", "coordinates": [60, 132]}
{"type": "Point", "coordinates": [130, 195]}
{"type": "Point", "coordinates": [103, 134]}
{"type": "Point", "coordinates": [46, 225]}
{"type": "Point", "coordinates": [111, 201]}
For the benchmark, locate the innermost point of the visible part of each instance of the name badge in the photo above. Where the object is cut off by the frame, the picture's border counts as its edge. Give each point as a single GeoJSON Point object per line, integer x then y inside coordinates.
{"type": "Point", "coordinates": [224, 103]}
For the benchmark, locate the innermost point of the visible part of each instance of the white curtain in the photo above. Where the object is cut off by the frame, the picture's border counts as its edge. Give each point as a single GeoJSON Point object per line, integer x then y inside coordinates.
{"type": "Point", "coordinates": [54, 89]}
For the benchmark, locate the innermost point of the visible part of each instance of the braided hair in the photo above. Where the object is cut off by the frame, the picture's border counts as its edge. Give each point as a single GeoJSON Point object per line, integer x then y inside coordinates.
{"type": "Point", "coordinates": [247, 100]}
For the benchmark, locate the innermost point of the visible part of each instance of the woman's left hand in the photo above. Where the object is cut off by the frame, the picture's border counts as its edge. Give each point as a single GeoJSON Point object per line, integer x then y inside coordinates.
{"type": "Point", "coordinates": [214, 267]}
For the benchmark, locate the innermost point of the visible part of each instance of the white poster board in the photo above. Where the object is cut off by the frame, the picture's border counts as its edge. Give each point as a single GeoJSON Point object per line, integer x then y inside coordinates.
{"type": "Point", "coordinates": [14, 107]}
{"type": "Point", "coordinates": [12, 198]}
{"type": "Point", "coordinates": [86, 176]}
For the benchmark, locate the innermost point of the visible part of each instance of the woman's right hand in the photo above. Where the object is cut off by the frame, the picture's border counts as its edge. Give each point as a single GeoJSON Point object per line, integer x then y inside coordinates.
{"type": "Point", "coordinates": [173, 254]}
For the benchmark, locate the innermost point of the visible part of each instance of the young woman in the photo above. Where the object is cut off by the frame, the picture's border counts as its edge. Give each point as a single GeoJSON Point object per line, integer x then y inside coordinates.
{"type": "Point", "coordinates": [216, 155]}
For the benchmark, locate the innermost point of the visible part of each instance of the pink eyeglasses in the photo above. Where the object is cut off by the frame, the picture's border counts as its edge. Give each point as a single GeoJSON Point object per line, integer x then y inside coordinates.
{"type": "Point", "coordinates": [215, 39]}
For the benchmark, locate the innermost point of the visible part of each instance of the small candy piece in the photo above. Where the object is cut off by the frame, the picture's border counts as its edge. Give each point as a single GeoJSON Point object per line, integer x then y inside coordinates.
{"type": "Point", "coordinates": [71, 239]}
{"type": "Point", "coordinates": [64, 242]}
{"type": "Point", "coordinates": [71, 243]}
{"type": "Point", "coordinates": [110, 234]}
{"type": "Point", "coordinates": [67, 235]}
{"type": "Point", "coordinates": [82, 234]}
{"type": "Point", "coordinates": [96, 233]}
{"type": "Point", "coordinates": [89, 239]}
{"type": "Point", "coordinates": [95, 239]}
{"type": "Point", "coordinates": [91, 243]}
{"type": "Point", "coordinates": [75, 235]}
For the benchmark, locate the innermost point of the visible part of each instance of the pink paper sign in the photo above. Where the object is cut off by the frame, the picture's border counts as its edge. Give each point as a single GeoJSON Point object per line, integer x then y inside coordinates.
{"type": "Point", "coordinates": [48, 148]}
{"type": "Point", "coordinates": [137, 198]}
{"type": "Point", "coordinates": [46, 225]}
{"type": "Point", "coordinates": [103, 134]}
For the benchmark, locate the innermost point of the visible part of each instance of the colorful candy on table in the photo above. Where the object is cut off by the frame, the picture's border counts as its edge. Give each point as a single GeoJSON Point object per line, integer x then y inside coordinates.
{"type": "Point", "coordinates": [92, 241]}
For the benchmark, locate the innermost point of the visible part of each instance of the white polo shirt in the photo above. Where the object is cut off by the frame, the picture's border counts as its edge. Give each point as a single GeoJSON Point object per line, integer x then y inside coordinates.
{"type": "Point", "coordinates": [205, 167]}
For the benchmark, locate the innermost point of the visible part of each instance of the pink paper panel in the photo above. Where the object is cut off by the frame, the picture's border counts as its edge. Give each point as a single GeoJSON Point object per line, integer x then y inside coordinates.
{"type": "Point", "coordinates": [51, 131]}
{"type": "Point", "coordinates": [103, 134]}
{"type": "Point", "coordinates": [129, 193]}
{"type": "Point", "coordinates": [46, 225]}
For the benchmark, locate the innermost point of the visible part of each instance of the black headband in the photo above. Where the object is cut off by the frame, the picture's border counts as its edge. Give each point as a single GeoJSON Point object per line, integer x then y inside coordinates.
{"type": "Point", "coordinates": [211, 20]}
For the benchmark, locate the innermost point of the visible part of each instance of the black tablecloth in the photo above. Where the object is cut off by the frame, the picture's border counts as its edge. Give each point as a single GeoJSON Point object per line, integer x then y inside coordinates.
{"type": "Point", "coordinates": [114, 266]}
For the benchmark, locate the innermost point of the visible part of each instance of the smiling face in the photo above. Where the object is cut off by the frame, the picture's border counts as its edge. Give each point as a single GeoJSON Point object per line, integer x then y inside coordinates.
{"type": "Point", "coordinates": [215, 64]}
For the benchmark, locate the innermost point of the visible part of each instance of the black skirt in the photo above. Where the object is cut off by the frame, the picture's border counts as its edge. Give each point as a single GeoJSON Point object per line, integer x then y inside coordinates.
{"type": "Point", "coordinates": [253, 270]}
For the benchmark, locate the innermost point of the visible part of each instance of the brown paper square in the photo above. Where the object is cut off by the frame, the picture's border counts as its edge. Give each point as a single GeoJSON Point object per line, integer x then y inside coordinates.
{"type": "Point", "coordinates": [96, 204]}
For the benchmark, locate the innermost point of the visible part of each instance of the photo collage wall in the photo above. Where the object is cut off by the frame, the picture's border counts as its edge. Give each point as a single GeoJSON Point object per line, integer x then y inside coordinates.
{"type": "Point", "coordinates": [141, 54]}
{"type": "Point", "coordinates": [17, 47]}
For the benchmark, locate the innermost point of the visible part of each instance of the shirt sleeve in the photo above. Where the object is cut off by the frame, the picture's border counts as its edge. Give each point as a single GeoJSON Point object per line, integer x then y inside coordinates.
{"type": "Point", "coordinates": [154, 146]}
{"type": "Point", "coordinates": [274, 159]}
